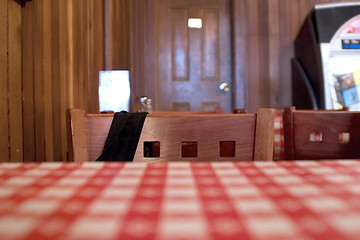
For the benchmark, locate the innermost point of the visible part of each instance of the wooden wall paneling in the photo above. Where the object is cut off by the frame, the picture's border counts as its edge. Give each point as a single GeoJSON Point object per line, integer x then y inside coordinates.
{"type": "Point", "coordinates": [87, 61]}
{"type": "Point", "coordinates": [111, 33]}
{"type": "Point", "coordinates": [137, 23]}
{"type": "Point", "coordinates": [48, 80]}
{"type": "Point", "coordinates": [78, 47]}
{"type": "Point", "coordinates": [14, 83]}
{"type": "Point", "coordinates": [142, 34]}
{"type": "Point", "coordinates": [96, 51]}
{"type": "Point", "coordinates": [28, 81]}
{"type": "Point", "coordinates": [273, 61]}
{"type": "Point", "coordinates": [87, 80]}
{"type": "Point", "coordinates": [108, 27]}
{"type": "Point", "coordinates": [239, 28]}
{"type": "Point", "coordinates": [39, 82]}
{"type": "Point", "coordinates": [87, 52]}
{"type": "Point", "coordinates": [124, 25]}
{"type": "Point", "coordinates": [67, 28]}
{"type": "Point", "coordinates": [263, 46]}
{"type": "Point", "coordinates": [117, 33]}
{"type": "Point", "coordinates": [83, 85]}
{"type": "Point", "coordinates": [253, 55]}
{"type": "Point", "coordinates": [162, 55]}
{"type": "Point", "coordinates": [137, 81]}
{"type": "Point", "coordinates": [55, 79]}
{"type": "Point", "coordinates": [134, 34]}
{"type": "Point", "coordinates": [78, 42]}
{"type": "Point", "coordinates": [286, 53]}
{"type": "Point", "coordinates": [81, 15]}
{"type": "Point", "coordinates": [4, 119]}
{"type": "Point", "coordinates": [117, 25]}
{"type": "Point", "coordinates": [64, 54]}
{"type": "Point", "coordinates": [156, 82]}
{"type": "Point", "coordinates": [149, 47]}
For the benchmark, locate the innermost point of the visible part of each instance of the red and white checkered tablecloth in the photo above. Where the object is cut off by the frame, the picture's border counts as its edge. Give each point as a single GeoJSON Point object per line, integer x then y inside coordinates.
{"type": "Point", "coordinates": [261, 200]}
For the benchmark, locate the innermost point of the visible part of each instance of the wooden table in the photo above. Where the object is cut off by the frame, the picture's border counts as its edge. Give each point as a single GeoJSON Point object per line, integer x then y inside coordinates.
{"type": "Point", "coordinates": [244, 200]}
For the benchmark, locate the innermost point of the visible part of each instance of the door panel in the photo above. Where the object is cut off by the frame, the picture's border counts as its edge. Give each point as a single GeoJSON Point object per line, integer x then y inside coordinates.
{"type": "Point", "coordinates": [180, 46]}
{"type": "Point", "coordinates": [193, 62]}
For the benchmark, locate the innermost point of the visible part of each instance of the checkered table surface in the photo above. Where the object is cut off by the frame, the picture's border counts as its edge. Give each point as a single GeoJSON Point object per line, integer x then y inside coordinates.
{"type": "Point", "coordinates": [276, 200]}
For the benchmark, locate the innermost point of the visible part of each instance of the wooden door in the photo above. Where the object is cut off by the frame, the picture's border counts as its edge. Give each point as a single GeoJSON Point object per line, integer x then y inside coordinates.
{"type": "Point", "coordinates": [193, 62]}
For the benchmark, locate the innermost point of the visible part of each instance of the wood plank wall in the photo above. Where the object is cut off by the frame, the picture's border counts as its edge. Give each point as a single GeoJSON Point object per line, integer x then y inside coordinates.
{"type": "Point", "coordinates": [51, 52]}
{"type": "Point", "coordinates": [10, 81]}
{"type": "Point", "coordinates": [117, 34]}
{"type": "Point", "coordinates": [4, 62]}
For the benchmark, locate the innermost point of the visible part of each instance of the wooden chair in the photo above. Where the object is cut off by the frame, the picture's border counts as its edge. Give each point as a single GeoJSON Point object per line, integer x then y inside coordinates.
{"type": "Point", "coordinates": [321, 134]}
{"type": "Point", "coordinates": [188, 137]}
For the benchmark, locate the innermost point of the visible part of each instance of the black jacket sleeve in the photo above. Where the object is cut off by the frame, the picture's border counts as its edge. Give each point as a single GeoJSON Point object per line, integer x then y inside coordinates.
{"type": "Point", "coordinates": [123, 137]}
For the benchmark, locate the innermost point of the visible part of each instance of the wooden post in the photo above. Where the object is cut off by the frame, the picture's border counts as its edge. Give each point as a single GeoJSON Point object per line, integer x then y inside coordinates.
{"type": "Point", "coordinates": [264, 136]}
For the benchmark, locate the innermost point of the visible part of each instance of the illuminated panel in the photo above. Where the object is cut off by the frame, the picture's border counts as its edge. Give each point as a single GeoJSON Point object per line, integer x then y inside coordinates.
{"type": "Point", "coordinates": [114, 90]}
{"type": "Point", "coordinates": [194, 23]}
{"type": "Point", "coordinates": [350, 43]}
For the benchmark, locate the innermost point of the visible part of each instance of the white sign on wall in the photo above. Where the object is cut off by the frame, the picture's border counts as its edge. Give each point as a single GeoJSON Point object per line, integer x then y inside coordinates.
{"type": "Point", "coordinates": [114, 90]}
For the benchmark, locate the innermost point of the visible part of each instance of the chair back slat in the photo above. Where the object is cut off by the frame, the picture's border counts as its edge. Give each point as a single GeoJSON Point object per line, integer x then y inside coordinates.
{"type": "Point", "coordinates": [97, 129]}
{"type": "Point", "coordinates": [264, 142]}
{"type": "Point", "coordinates": [204, 130]}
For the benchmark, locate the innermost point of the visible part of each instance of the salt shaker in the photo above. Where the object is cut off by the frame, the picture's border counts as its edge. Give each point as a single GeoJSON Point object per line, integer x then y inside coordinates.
{"type": "Point", "coordinates": [143, 104]}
